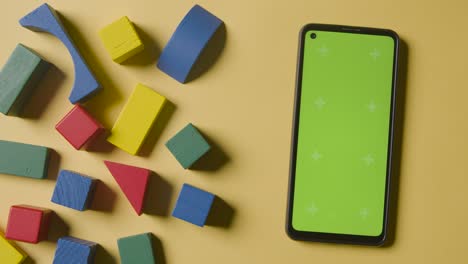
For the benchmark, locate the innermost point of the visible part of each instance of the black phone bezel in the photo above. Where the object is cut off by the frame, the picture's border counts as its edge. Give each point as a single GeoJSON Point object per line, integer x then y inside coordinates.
{"type": "Point", "coordinates": [331, 237]}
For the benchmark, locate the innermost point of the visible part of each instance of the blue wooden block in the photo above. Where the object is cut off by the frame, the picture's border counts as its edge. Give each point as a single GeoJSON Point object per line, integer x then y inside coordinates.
{"type": "Point", "coordinates": [73, 190]}
{"type": "Point", "coordinates": [187, 43]}
{"type": "Point", "coordinates": [74, 250]}
{"type": "Point", "coordinates": [44, 18]}
{"type": "Point", "coordinates": [193, 205]}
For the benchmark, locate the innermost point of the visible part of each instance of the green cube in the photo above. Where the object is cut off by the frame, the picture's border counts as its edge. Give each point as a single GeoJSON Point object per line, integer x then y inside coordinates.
{"type": "Point", "coordinates": [136, 249]}
{"type": "Point", "coordinates": [18, 78]}
{"type": "Point", "coordinates": [188, 146]}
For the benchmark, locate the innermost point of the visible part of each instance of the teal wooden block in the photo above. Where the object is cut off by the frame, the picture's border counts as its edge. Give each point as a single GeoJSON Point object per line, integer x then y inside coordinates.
{"type": "Point", "coordinates": [188, 146]}
{"type": "Point", "coordinates": [18, 78]}
{"type": "Point", "coordinates": [23, 159]}
{"type": "Point", "coordinates": [136, 249]}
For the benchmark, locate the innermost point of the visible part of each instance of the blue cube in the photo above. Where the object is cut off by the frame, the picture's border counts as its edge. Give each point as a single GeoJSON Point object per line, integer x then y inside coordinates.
{"type": "Point", "coordinates": [73, 190]}
{"type": "Point", "coordinates": [193, 205]}
{"type": "Point", "coordinates": [74, 250]}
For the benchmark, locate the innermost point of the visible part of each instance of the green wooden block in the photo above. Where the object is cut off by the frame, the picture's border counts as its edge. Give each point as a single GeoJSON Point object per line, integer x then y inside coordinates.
{"type": "Point", "coordinates": [188, 146]}
{"type": "Point", "coordinates": [18, 78]}
{"type": "Point", "coordinates": [136, 249]}
{"type": "Point", "coordinates": [23, 159]}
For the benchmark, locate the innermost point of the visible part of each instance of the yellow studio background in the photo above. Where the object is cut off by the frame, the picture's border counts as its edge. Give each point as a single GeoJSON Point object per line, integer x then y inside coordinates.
{"type": "Point", "coordinates": [244, 104]}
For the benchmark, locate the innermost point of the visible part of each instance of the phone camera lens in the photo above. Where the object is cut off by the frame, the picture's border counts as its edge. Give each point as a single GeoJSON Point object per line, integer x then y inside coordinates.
{"type": "Point", "coordinates": [313, 36]}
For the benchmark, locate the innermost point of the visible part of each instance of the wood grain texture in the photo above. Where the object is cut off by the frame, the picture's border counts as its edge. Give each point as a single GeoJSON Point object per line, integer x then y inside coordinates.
{"type": "Point", "coordinates": [78, 127]}
{"type": "Point", "coordinates": [28, 223]}
{"type": "Point", "coordinates": [74, 250]}
{"type": "Point", "coordinates": [133, 181]}
{"type": "Point", "coordinates": [136, 249]}
{"type": "Point", "coordinates": [136, 119]}
{"type": "Point", "coordinates": [193, 205]}
{"type": "Point", "coordinates": [187, 43]}
{"type": "Point", "coordinates": [9, 253]}
{"type": "Point", "coordinates": [18, 78]}
{"type": "Point", "coordinates": [44, 18]}
{"type": "Point", "coordinates": [73, 190]}
{"type": "Point", "coordinates": [23, 159]}
{"type": "Point", "coordinates": [188, 146]}
{"type": "Point", "coordinates": [121, 40]}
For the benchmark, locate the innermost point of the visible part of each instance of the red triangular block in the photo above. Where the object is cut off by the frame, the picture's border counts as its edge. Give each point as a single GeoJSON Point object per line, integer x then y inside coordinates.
{"type": "Point", "coordinates": [132, 180]}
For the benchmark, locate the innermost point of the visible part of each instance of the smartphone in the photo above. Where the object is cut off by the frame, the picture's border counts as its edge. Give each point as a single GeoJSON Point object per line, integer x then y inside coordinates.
{"type": "Point", "coordinates": [341, 153]}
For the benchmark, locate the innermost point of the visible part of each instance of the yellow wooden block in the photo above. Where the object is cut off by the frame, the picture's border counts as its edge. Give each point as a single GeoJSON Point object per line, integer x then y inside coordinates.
{"type": "Point", "coordinates": [121, 40]}
{"type": "Point", "coordinates": [136, 119]}
{"type": "Point", "coordinates": [9, 254]}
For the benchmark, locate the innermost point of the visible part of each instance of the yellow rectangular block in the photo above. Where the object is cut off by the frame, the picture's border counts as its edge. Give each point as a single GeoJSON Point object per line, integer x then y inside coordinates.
{"type": "Point", "coordinates": [136, 119]}
{"type": "Point", "coordinates": [9, 253]}
{"type": "Point", "coordinates": [121, 40]}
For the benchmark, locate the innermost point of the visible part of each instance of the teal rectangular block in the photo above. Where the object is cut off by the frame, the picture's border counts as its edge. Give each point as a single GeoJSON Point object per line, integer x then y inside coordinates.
{"type": "Point", "coordinates": [188, 146]}
{"type": "Point", "coordinates": [23, 159]}
{"type": "Point", "coordinates": [136, 249]}
{"type": "Point", "coordinates": [18, 78]}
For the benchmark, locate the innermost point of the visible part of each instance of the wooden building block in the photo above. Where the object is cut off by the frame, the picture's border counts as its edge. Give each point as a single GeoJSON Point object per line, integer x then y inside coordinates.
{"type": "Point", "coordinates": [136, 119]}
{"type": "Point", "coordinates": [193, 205]}
{"type": "Point", "coordinates": [44, 18]}
{"type": "Point", "coordinates": [18, 78]}
{"type": "Point", "coordinates": [9, 253]}
{"type": "Point", "coordinates": [23, 159]}
{"type": "Point", "coordinates": [73, 190]}
{"type": "Point", "coordinates": [121, 40]}
{"type": "Point", "coordinates": [188, 146]}
{"type": "Point", "coordinates": [188, 42]}
{"type": "Point", "coordinates": [136, 249]}
{"type": "Point", "coordinates": [74, 250]}
{"type": "Point", "coordinates": [28, 223]}
{"type": "Point", "coordinates": [78, 127]}
{"type": "Point", "coordinates": [133, 182]}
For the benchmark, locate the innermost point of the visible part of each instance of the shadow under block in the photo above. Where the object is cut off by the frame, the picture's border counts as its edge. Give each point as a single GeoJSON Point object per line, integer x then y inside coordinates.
{"type": "Point", "coordinates": [188, 146]}
{"type": "Point", "coordinates": [133, 182]}
{"type": "Point", "coordinates": [45, 18]}
{"type": "Point", "coordinates": [193, 205]}
{"type": "Point", "coordinates": [136, 119]}
{"type": "Point", "coordinates": [23, 159]}
{"type": "Point", "coordinates": [121, 40]}
{"type": "Point", "coordinates": [9, 253]}
{"type": "Point", "coordinates": [187, 43]}
{"type": "Point", "coordinates": [74, 250]}
{"type": "Point", "coordinates": [18, 78]}
{"type": "Point", "coordinates": [136, 249]}
{"type": "Point", "coordinates": [73, 190]}
{"type": "Point", "coordinates": [78, 127]}
{"type": "Point", "coordinates": [28, 223]}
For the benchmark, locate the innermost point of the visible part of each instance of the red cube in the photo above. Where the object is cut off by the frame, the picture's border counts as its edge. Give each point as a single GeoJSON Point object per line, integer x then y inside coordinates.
{"type": "Point", "coordinates": [28, 223]}
{"type": "Point", "coordinates": [78, 127]}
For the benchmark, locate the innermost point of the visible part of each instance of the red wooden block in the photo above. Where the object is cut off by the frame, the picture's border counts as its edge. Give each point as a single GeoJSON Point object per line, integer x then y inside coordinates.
{"type": "Point", "coordinates": [78, 127]}
{"type": "Point", "coordinates": [28, 223]}
{"type": "Point", "coordinates": [132, 180]}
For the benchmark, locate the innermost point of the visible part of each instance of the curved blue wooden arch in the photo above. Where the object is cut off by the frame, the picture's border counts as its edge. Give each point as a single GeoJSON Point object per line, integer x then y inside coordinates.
{"type": "Point", "coordinates": [187, 43]}
{"type": "Point", "coordinates": [44, 18]}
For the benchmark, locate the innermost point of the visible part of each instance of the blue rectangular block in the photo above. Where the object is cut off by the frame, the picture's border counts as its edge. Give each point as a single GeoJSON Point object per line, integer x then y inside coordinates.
{"type": "Point", "coordinates": [74, 250]}
{"type": "Point", "coordinates": [73, 190]}
{"type": "Point", "coordinates": [193, 205]}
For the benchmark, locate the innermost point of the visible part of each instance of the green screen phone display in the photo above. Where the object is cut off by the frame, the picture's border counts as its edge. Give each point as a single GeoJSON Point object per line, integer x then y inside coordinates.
{"type": "Point", "coordinates": [343, 133]}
